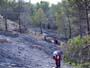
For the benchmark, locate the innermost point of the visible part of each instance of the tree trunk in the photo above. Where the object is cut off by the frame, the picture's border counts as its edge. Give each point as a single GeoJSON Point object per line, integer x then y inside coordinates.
{"type": "Point", "coordinates": [80, 21]}
{"type": "Point", "coordinates": [6, 26]}
{"type": "Point", "coordinates": [19, 24]}
{"type": "Point", "coordinates": [86, 5]}
{"type": "Point", "coordinates": [41, 27]}
{"type": "Point", "coordinates": [69, 27]}
{"type": "Point", "coordinates": [67, 13]}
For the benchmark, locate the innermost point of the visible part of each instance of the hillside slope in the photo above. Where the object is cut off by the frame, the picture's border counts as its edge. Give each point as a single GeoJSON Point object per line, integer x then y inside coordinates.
{"type": "Point", "coordinates": [24, 51]}
{"type": "Point", "coordinates": [10, 24]}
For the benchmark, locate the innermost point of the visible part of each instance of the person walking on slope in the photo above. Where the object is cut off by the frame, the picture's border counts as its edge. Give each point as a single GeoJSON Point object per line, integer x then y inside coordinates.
{"type": "Point", "coordinates": [57, 57]}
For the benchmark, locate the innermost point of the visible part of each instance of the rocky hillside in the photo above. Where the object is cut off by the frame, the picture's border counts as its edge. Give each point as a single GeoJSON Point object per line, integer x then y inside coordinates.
{"type": "Point", "coordinates": [11, 24]}
{"type": "Point", "coordinates": [24, 51]}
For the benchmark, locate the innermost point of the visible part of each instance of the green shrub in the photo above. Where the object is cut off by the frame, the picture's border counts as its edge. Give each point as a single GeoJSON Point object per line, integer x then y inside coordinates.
{"type": "Point", "coordinates": [75, 51]}
{"type": "Point", "coordinates": [80, 41]}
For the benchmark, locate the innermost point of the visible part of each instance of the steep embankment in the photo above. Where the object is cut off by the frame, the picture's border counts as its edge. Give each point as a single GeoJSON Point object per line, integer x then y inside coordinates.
{"type": "Point", "coordinates": [25, 51]}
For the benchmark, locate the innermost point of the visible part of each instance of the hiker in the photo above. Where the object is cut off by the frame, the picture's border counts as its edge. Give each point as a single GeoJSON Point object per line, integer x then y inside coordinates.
{"type": "Point", "coordinates": [55, 41]}
{"type": "Point", "coordinates": [57, 57]}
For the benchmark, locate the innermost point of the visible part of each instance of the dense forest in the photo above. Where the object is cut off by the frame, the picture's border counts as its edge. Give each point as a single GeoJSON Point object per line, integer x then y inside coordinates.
{"type": "Point", "coordinates": [69, 19]}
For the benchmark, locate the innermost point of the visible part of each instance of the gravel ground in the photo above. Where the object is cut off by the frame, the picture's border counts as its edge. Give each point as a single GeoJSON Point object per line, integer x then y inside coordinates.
{"type": "Point", "coordinates": [26, 52]}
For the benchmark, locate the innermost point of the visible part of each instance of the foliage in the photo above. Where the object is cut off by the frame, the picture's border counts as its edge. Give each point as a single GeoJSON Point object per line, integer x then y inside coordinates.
{"type": "Point", "coordinates": [38, 17]}
{"type": "Point", "coordinates": [44, 5]}
{"type": "Point", "coordinates": [64, 15]}
{"type": "Point", "coordinates": [78, 50]}
{"type": "Point", "coordinates": [79, 41]}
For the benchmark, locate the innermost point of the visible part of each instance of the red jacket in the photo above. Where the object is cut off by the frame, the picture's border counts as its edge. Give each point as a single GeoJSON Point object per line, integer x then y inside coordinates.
{"type": "Point", "coordinates": [57, 58]}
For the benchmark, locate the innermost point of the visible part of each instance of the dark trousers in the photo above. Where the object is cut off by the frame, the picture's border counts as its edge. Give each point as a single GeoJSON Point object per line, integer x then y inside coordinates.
{"type": "Point", "coordinates": [58, 65]}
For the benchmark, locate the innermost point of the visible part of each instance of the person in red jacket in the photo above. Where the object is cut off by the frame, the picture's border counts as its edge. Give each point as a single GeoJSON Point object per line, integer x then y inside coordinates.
{"type": "Point", "coordinates": [57, 58]}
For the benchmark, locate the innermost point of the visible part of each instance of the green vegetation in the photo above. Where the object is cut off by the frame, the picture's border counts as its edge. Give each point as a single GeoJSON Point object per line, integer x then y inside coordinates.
{"type": "Point", "coordinates": [70, 18]}
{"type": "Point", "coordinates": [64, 17]}
{"type": "Point", "coordinates": [79, 41]}
{"type": "Point", "coordinates": [78, 51]}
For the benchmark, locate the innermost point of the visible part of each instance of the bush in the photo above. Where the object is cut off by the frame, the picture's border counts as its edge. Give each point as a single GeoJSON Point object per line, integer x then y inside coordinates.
{"type": "Point", "coordinates": [76, 53]}
{"type": "Point", "coordinates": [85, 65]}
{"type": "Point", "coordinates": [80, 41]}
